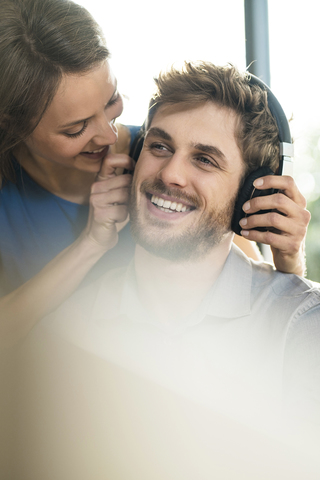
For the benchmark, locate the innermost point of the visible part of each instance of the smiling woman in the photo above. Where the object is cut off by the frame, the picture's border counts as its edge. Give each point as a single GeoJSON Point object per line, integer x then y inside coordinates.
{"type": "Point", "coordinates": [74, 133]}
{"type": "Point", "coordinates": [59, 103]}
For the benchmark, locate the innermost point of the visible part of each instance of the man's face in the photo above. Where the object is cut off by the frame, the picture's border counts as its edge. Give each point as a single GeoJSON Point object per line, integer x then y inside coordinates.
{"type": "Point", "coordinates": [186, 181]}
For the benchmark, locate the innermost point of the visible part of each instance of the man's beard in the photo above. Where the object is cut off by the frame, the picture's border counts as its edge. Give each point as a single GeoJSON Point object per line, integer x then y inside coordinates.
{"type": "Point", "coordinates": [191, 243]}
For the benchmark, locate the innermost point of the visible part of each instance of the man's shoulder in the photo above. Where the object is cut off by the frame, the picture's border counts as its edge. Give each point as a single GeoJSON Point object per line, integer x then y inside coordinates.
{"type": "Point", "coordinates": [298, 294]}
{"type": "Point", "coordinates": [273, 290]}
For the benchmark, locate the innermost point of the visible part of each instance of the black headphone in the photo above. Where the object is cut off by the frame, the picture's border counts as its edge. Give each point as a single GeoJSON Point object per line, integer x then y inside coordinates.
{"type": "Point", "coordinates": [137, 143]}
{"type": "Point", "coordinates": [248, 191]}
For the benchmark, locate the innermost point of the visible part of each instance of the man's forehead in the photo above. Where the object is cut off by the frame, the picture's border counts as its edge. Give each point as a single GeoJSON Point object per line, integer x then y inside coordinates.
{"type": "Point", "coordinates": [181, 107]}
{"type": "Point", "coordinates": [210, 127]}
{"type": "Point", "coordinates": [206, 128]}
{"type": "Point", "coordinates": [209, 113]}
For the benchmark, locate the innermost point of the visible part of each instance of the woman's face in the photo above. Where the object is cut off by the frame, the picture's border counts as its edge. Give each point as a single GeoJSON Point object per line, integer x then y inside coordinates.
{"type": "Point", "coordinates": [78, 126]}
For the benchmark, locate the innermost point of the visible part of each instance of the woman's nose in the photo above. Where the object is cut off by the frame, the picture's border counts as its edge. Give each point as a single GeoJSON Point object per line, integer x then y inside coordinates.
{"type": "Point", "coordinates": [107, 133]}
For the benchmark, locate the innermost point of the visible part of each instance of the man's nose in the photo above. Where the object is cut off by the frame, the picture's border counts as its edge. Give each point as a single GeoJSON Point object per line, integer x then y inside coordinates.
{"type": "Point", "coordinates": [174, 171]}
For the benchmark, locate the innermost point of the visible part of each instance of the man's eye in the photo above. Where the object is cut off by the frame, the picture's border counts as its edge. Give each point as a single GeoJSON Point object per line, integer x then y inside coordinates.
{"type": "Point", "coordinates": [205, 161]}
{"type": "Point", "coordinates": [159, 148]}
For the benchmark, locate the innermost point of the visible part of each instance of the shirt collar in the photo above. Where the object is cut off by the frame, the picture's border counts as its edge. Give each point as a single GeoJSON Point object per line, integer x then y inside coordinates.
{"type": "Point", "coordinates": [229, 297]}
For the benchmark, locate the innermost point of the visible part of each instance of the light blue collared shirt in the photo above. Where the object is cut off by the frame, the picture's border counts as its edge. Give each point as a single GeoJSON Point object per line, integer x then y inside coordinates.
{"type": "Point", "coordinates": [255, 332]}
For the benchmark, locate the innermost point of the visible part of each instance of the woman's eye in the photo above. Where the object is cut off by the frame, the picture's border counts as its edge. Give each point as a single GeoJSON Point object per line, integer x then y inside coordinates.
{"type": "Point", "coordinates": [115, 99]}
{"type": "Point", "coordinates": [77, 134]}
{"type": "Point", "coordinates": [116, 106]}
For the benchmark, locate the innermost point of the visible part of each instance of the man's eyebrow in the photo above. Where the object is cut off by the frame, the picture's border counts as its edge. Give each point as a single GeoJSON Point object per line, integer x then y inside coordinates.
{"type": "Point", "coordinates": [76, 122]}
{"type": "Point", "coordinates": [158, 132]}
{"type": "Point", "coordinates": [211, 150]}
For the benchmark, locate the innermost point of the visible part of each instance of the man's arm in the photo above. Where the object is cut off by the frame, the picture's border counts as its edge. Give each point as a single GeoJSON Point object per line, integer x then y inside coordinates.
{"type": "Point", "coordinates": [301, 373]}
{"type": "Point", "coordinates": [287, 222]}
{"type": "Point", "coordinates": [249, 248]}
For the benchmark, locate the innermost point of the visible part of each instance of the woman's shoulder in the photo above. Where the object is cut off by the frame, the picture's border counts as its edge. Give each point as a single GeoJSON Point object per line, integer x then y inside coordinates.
{"type": "Point", "coordinates": [126, 136]}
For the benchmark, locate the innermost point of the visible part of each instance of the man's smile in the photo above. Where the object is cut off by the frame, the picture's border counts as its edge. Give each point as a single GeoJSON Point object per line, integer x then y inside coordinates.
{"type": "Point", "coordinates": [169, 206]}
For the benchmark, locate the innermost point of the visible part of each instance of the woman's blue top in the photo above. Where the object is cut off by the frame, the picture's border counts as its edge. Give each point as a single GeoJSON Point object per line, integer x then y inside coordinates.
{"type": "Point", "coordinates": [36, 225]}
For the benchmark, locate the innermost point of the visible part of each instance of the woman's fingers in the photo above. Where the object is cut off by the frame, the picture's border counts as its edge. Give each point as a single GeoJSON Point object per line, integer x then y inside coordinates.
{"type": "Point", "coordinates": [111, 165]}
{"type": "Point", "coordinates": [109, 200]}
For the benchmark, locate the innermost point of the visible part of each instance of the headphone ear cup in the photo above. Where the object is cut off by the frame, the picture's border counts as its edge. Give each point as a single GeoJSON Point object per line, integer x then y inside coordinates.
{"type": "Point", "coordinates": [137, 144]}
{"type": "Point", "coordinates": [247, 192]}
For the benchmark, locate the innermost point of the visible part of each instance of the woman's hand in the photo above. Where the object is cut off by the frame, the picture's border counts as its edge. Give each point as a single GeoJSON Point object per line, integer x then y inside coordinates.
{"type": "Point", "coordinates": [23, 308]}
{"type": "Point", "coordinates": [286, 224]}
{"type": "Point", "coordinates": [109, 201]}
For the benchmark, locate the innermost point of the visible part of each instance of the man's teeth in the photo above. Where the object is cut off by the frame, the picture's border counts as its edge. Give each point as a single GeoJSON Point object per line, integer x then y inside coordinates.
{"type": "Point", "coordinates": [167, 206]}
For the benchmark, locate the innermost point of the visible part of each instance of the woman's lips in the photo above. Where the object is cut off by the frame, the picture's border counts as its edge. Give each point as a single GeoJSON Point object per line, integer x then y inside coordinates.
{"type": "Point", "coordinates": [97, 154]}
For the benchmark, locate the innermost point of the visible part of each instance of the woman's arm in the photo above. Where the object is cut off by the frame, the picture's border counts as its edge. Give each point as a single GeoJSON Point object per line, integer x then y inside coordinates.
{"type": "Point", "coordinates": [23, 308]}
{"type": "Point", "coordinates": [287, 222]}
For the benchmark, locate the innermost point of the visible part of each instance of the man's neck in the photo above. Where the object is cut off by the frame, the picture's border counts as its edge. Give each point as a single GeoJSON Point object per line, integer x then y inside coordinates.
{"type": "Point", "coordinates": [171, 291]}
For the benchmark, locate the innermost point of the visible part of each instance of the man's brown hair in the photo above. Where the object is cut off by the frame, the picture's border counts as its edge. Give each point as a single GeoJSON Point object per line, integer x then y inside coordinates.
{"type": "Point", "coordinates": [196, 83]}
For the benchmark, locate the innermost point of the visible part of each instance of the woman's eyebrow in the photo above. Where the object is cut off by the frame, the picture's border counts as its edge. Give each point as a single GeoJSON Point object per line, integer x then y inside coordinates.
{"type": "Point", "coordinates": [114, 95]}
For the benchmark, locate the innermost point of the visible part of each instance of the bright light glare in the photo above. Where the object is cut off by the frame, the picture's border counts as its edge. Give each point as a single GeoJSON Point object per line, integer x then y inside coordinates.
{"type": "Point", "coordinates": [144, 37]}
{"type": "Point", "coordinates": [306, 183]}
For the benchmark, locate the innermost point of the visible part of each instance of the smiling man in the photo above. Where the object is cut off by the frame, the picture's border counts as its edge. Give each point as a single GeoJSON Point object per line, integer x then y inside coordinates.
{"type": "Point", "coordinates": [183, 173]}
{"type": "Point", "coordinates": [192, 314]}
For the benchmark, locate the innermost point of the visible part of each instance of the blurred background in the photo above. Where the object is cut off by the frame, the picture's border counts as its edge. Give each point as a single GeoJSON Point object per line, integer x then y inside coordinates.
{"type": "Point", "coordinates": [145, 37]}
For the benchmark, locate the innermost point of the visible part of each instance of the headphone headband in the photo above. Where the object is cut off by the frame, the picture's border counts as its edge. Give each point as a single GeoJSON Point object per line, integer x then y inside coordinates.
{"type": "Point", "coordinates": [286, 146]}
{"type": "Point", "coordinates": [285, 161]}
